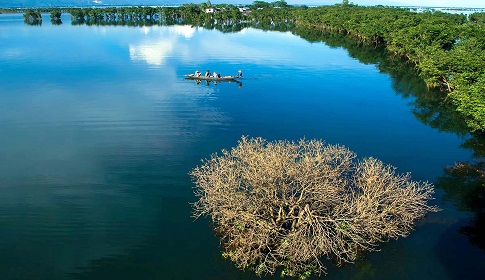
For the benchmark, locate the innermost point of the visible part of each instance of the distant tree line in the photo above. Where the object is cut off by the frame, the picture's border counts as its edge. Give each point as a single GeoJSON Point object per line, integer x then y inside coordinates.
{"type": "Point", "coordinates": [447, 49]}
{"type": "Point", "coordinates": [260, 11]}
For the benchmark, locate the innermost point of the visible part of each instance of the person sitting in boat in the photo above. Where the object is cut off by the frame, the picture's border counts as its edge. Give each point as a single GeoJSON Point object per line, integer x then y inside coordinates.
{"type": "Point", "coordinates": [207, 73]}
{"type": "Point", "coordinates": [239, 74]}
{"type": "Point", "coordinates": [197, 73]}
{"type": "Point", "coordinates": [215, 75]}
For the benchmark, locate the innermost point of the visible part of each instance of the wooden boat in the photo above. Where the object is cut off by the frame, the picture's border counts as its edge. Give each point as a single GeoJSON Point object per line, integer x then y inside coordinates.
{"type": "Point", "coordinates": [210, 78]}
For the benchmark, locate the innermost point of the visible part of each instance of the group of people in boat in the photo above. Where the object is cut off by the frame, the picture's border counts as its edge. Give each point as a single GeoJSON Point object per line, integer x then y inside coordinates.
{"type": "Point", "coordinates": [215, 74]}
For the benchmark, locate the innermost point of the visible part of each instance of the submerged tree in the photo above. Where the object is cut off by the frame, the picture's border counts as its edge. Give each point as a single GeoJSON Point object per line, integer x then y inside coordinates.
{"type": "Point", "coordinates": [33, 17]}
{"type": "Point", "coordinates": [286, 206]}
{"type": "Point", "coordinates": [56, 16]}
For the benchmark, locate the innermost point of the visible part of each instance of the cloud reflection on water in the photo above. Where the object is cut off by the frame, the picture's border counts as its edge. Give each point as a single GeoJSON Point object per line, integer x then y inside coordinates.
{"type": "Point", "coordinates": [250, 46]}
{"type": "Point", "coordinates": [159, 44]}
{"type": "Point", "coordinates": [152, 53]}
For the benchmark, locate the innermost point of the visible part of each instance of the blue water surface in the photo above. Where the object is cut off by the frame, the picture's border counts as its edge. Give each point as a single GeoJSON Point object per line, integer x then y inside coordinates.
{"type": "Point", "coordinates": [99, 131]}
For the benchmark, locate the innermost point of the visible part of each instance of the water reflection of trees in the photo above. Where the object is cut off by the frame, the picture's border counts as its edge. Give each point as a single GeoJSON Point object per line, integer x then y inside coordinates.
{"type": "Point", "coordinates": [33, 22]}
{"type": "Point", "coordinates": [464, 184]}
{"type": "Point", "coordinates": [428, 106]}
{"type": "Point", "coordinates": [224, 26]}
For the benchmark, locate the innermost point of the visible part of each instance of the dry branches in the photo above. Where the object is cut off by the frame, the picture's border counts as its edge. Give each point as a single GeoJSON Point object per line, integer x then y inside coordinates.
{"type": "Point", "coordinates": [287, 205]}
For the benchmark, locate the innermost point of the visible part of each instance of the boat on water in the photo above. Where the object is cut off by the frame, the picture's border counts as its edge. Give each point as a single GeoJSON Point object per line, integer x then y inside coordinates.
{"type": "Point", "coordinates": [210, 78]}
{"type": "Point", "coordinates": [215, 78]}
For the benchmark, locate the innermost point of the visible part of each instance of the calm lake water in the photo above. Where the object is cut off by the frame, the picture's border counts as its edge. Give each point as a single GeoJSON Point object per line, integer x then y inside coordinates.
{"type": "Point", "coordinates": [98, 131]}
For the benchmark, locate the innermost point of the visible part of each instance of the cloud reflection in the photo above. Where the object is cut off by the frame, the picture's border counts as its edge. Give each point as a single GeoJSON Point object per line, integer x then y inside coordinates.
{"type": "Point", "coordinates": [157, 47]}
{"type": "Point", "coordinates": [152, 53]}
{"type": "Point", "coordinates": [183, 30]}
{"type": "Point", "coordinates": [11, 53]}
{"type": "Point", "coordinates": [195, 46]}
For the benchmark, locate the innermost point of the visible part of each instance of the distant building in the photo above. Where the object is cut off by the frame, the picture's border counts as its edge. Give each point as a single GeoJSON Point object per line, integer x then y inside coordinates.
{"type": "Point", "coordinates": [211, 10]}
{"type": "Point", "coordinates": [245, 10]}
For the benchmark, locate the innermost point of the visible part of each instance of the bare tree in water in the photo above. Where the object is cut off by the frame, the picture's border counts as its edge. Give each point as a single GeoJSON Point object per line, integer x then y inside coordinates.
{"type": "Point", "coordinates": [286, 206]}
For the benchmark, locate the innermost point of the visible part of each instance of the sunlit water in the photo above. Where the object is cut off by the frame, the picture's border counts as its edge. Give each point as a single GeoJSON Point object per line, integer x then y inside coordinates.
{"type": "Point", "coordinates": [98, 131]}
